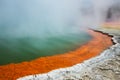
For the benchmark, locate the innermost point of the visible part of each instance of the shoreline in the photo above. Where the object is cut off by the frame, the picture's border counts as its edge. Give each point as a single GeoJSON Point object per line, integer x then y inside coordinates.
{"type": "Point", "coordinates": [46, 64]}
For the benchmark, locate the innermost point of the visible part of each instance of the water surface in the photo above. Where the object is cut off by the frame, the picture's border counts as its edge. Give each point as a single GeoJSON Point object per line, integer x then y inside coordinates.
{"type": "Point", "coordinates": [14, 50]}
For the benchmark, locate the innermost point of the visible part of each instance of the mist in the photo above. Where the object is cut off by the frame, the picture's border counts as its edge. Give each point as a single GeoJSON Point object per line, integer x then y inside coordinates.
{"type": "Point", "coordinates": [44, 18]}
{"type": "Point", "coordinates": [38, 17]}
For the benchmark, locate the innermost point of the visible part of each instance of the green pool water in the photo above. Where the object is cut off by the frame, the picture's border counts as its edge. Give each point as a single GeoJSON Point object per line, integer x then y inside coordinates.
{"type": "Point", "coordinates": [15, 50]}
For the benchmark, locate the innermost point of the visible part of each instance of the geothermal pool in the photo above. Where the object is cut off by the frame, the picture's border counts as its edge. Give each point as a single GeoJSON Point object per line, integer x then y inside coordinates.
{"type": "Point", "coordinates": [32, 29]}
{"type": "Point", "coordinates": [15, 50]}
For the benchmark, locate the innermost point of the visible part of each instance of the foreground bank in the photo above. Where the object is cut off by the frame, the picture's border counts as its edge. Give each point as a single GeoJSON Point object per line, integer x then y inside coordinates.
{"type": "Point", "coordinates": [103, 67]}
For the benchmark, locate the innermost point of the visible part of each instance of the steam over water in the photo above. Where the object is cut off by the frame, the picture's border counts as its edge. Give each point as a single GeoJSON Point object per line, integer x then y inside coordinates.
{"type": "Point", "coordinates": [35, 28]}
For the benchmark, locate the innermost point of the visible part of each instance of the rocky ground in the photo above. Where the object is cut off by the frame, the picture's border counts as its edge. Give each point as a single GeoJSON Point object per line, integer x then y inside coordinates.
{"type": "Point", "coordinates": [106, 66]}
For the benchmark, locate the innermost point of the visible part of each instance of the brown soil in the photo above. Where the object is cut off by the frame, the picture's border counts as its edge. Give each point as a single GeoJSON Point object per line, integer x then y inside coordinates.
{"type": "Point", "coordinates": [113, 25]}
{"type": "Point", "coordinates": [91, 49]}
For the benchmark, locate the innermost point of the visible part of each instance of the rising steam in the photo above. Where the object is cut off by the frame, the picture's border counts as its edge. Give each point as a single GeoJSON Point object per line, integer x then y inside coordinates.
{"type": "Point", "coordinates": [42, 18]}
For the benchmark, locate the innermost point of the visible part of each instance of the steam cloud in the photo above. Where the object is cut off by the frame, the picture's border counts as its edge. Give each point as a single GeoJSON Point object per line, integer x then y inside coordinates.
{"type": "Point", "coordinates": [19, 18]}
